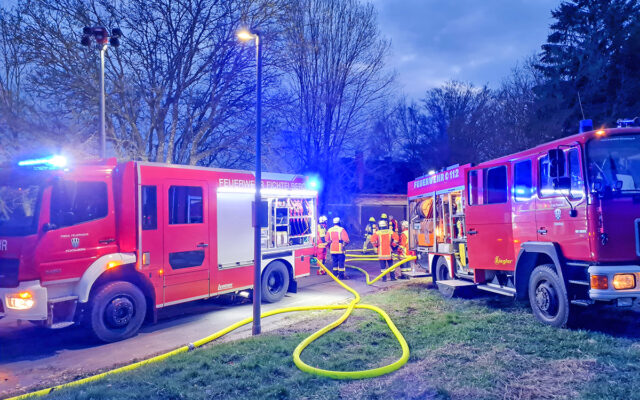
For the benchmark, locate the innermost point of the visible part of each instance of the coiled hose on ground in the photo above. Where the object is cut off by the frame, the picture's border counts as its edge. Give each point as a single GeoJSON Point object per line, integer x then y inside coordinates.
{"type": "Point", "coordinates": [369, 373]}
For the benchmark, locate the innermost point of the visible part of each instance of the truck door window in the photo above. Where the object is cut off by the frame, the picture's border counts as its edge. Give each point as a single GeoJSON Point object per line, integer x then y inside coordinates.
{"type": "Point", "coordinates": [185, 205]}
{"type": "Point", "coordinates": [522, 180]}
{"type": "Point", "coordinates": [473, 188]}
{"type": "Point", "coordinates": [573, 166]}
{"type": "Point", "coordinates": [496, 186]}
{"type": "Point", "coordinates": [149, 208]}
{"type": "Point", "coordinates": [73, 202]}
{"type": "Point", "coordinates": [545, 184]}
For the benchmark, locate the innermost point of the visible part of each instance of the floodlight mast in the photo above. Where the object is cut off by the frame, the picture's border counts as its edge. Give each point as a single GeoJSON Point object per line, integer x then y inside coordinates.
{"type": "Point", "coordinates": [102, 39]}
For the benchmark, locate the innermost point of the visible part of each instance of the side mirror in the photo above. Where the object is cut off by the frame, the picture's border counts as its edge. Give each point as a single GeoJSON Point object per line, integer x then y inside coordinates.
{"type": "Point", "coordinates": [557, 168]}
{"type": "Point", "coordinates": [562, 183]}
{"type": "Point", "coordinates": [49, 227]}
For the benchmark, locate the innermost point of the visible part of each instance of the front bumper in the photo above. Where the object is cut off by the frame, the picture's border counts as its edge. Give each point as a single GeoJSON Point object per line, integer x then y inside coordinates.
{"type": "Point", "coordinates": [611, 293]}
{"type": "Point", "coordinates": [37, 312]}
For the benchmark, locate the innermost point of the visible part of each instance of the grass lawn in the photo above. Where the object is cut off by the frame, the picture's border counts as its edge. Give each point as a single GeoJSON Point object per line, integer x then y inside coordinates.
{"type": "Point", "coordinates": [485, 348]}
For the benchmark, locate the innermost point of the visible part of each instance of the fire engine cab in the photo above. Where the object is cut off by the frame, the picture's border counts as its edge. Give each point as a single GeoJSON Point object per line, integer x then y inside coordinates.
{"type": "Point", "coordinates": [107, 244]}
{"type": "Point", "coordinates": [558, 224]}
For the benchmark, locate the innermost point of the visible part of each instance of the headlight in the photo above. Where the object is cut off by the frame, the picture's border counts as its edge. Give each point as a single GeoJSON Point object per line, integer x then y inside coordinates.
{"type": "Point", "coordinates": [20, 301]}
{"type": "Point", "coordinates": [624, 281]}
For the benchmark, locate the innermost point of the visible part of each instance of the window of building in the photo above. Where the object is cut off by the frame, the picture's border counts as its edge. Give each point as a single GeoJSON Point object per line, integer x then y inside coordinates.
{"type": "Point", "coordinates": [73, 202]}
{"type": "Point", "coordinates": [149, 208]}
{"type": "Point", "coordinates": [522, 181]}
{"type": "Point", "coordinates": [496, 185]}
{"type": "Point", "coordinates": [185, 205]}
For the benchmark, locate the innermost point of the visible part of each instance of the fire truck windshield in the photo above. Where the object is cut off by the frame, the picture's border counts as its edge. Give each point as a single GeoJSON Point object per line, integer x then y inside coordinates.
{"type": "Point", "coordinates": [19, 203]}
{"type": "Point", "coordinates": [614, 163]}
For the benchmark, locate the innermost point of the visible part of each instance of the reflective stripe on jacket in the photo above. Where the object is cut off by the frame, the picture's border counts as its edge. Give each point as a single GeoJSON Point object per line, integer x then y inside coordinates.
{"type": "Point", "coordinates": [404, 242]}
{"type": "Point", "coordinates": [337, 237]}
{"type": "Point", "coordinates": [383, 239]}
{"type": "Point", "coordinates": [322, 240]}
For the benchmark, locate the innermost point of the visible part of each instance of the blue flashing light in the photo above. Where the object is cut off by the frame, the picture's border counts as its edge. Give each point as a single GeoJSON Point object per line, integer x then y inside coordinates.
{"type": "Point", "coordinates": [314, 183]}
{"type": "Point", "coordinates": [47, 162]}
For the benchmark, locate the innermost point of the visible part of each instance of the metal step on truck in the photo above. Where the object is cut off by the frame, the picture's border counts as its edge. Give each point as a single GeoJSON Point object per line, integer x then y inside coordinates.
{"type": "Point", "coordinates": [558, 224]}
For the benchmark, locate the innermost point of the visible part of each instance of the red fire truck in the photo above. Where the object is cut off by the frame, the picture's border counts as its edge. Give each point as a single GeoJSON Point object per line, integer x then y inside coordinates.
{"type": "Point", "coordinates": [107, 244]}
{"type": "Point", "coordinates": [558, 224]}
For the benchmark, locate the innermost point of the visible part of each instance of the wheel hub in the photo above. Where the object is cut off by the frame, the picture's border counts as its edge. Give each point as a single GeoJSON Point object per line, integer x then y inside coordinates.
{"type": "Point", "coordinates": [546, 299]}
{"type": "Point", "coordinates": [274, 282]}
{"type": "Point", "coordinates": [119, 312]}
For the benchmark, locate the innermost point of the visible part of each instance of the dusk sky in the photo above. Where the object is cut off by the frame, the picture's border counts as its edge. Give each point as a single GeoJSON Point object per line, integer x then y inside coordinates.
{"type": "Point", "coordinates": [469, 40]}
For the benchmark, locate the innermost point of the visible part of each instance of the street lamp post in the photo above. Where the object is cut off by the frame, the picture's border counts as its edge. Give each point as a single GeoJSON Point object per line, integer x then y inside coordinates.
{"type": "Point", "coordinates": [103, 39]}
{"type": "Point", "coordinates": [246, 35]}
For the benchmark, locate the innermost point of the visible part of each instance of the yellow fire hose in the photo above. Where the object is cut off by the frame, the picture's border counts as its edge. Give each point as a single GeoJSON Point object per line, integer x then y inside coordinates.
{"type": "Point", "coordinates": [369, 373]}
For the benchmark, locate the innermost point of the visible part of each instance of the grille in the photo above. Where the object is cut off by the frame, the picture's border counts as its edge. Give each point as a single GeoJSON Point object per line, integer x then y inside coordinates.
{"type": "Point", "coordinates": [9, 272]}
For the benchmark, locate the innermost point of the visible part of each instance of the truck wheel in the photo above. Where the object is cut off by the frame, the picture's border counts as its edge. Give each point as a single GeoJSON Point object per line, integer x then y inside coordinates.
{"type": "Point", "coordinates": [442, 270]}
{"type": "Point", "coordinates": [547, 296]}
{"type": "Point", "coordinates": [116, 311]}
{"type": "Point", "coordinates": [275, 282]}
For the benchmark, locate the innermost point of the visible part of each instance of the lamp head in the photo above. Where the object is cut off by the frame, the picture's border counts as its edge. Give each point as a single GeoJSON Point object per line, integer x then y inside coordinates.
{"type": "Point", "coordinates": [245, 35]}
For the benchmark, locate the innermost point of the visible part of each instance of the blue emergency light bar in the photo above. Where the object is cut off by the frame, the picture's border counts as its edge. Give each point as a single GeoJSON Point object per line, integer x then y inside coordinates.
{"type": "Point", "coordinates": [46, 162]}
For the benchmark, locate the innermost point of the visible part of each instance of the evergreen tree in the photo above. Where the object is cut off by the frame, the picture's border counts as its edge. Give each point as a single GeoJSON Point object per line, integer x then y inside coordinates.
{"type": "Point", "coordinates": [591, 54]}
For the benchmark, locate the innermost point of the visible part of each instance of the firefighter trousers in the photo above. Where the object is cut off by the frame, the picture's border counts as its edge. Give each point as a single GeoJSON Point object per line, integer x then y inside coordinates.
{"type": "Point", "coordinates": [367, 242]}
{"type": "Point", "coordinates": [337, 261]}
{"type": "Point", "coordinates": [384, 264]}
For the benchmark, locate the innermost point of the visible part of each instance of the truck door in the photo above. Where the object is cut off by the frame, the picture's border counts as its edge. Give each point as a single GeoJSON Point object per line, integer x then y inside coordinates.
{"type": "Point", "coordinates": [489, 227]}
{"type": "Point", "coordinates": [81, 226]}
{"type": "Point", "coordinates": [553, 208]}
{"type": "Point", "coordinates": [186, 241]}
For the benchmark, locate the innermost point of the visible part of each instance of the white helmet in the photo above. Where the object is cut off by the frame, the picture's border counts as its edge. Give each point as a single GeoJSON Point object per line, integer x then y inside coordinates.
{"type": "Point", "coordinates": [336, 220]}
{"type": "Point", "coordinates": [405, 224]}
{"type": "Point", "coordinates": [322, 219]}
{"type": "Point", "coordinates": [382, 224]}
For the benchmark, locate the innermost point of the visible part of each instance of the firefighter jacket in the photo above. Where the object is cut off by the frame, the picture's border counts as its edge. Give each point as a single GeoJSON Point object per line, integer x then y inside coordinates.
{"type": "Point", "coordinates": [370, 229]}
{"type": "Point", "coordinates": [383, 240]}
{"type": "Point", "coordinates": [322, 237]}
{"type": "Point", "coordinates": [337, 237]}
{"type": "Point", "coordinates": [404, 242]}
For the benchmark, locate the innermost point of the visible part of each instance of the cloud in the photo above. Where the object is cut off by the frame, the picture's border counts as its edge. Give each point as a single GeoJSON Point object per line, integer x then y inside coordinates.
{"type": "Point", "coordinates": [478, 41]}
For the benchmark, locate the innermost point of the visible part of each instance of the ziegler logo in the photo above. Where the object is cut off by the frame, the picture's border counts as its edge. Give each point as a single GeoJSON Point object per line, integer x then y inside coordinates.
{"type": "Point", "coordinates": [225, 286]}
{"type": "Point", "coordinates": [502, 261]}
{"type": "Point", "coordinates": [75, 242]}
{"type": "Point", "coordinates": [3, 245]}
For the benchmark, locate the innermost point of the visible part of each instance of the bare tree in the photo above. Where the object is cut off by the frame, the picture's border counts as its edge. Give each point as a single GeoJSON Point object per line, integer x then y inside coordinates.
{"type": "Point", "coordinates": [178, 88]}
{"type": "Point", "coordinates": [335, 79]}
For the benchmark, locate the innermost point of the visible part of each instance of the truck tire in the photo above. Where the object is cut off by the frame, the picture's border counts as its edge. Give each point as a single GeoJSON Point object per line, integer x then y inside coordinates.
{"type": "Point", "coordinates": [441, 272]}
{"type": "Point", "coordinates": [116, 311]}
{"type": "Point", "coordinates": [548, 297]}
{"type": "Point", "coordinates": [275, 282]}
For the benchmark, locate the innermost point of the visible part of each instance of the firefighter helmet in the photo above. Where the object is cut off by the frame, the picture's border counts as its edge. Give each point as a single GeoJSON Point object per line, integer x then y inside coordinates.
{"type": "Point", "coordinates": [322, 219]}
{"type": "Point", "coordinates": [383, 216]}
{"type": "Point", "coordinates": [336, 220]}
{"type": "Point", "coordinates": [372, 219]}
{"type": "Point", "coordinates": [382, 224]}
{"type": "Point", "coordinates": [405, 224]}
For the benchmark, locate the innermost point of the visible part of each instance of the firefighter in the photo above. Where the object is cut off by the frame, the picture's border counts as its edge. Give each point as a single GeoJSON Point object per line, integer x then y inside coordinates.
{"type": "Point", "coordinates": [368, 231]}
{"type": "Point", "coordinates": [393, 224]}
{"type": "Point", "coordinates": [321, 246]}
{"type": "Point", "coordinates": [383, 240]}
{"type": "Point", "coordinates": [403, 248]}
{"type": "Point", "coordinates": [337, 239]}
